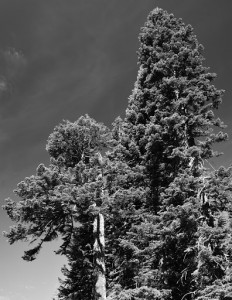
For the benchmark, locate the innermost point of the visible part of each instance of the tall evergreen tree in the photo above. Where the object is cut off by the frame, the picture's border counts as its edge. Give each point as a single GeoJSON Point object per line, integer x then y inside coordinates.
{"type": "Point", "coordinates": [168, 134]}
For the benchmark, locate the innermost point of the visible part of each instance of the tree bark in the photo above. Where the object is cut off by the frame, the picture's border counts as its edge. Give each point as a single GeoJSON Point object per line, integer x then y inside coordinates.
{"type": "Point", "coordinates": [99, 249]}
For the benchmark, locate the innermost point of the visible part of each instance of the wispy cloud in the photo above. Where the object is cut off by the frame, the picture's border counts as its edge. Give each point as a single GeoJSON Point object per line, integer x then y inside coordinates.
{"type": "Point", "coordinates": [3, 85]}
{"type": "Point", "coordinates": [4, 298]}
{"type": "Point", "coordinates": [29, 287]}
{"type": "Point", "coordinates": [15, 62]}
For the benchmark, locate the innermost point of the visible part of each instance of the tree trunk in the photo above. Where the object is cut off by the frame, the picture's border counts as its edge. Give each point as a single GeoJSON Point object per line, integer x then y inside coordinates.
{"type": "Point", "coordinates": [99, 248]}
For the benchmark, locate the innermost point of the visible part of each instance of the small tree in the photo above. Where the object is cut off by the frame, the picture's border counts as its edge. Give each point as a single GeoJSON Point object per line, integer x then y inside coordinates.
{"type": "Point", "coordinates": [63, 200]}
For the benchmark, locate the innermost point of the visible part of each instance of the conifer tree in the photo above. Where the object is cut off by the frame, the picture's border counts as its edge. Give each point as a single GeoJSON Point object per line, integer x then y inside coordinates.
{"type": "Point", "coordinates": [174, 241]}
{"type": "Point", "coordinates": [63, 200]}
{"type": "Point", "coordinates": [168, 219]}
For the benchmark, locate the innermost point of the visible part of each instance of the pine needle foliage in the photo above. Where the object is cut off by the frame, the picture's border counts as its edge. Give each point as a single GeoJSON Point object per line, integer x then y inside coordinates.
{"type": "Point", "coordinates": [172, 213]}
{"type": "Point", "coordinates": [58, 202]}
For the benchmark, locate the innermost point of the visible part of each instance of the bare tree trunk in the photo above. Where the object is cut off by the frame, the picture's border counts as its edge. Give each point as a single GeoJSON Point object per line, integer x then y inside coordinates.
{"type": "Point", "coordinates": [99, 249]}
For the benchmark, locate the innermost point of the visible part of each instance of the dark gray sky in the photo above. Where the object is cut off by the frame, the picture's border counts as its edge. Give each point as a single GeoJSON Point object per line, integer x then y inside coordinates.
{"type": "Point", "coordinates": [61, 59]}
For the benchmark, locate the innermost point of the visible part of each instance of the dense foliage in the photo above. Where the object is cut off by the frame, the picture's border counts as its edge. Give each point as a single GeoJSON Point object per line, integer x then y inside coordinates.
{"type": "Point", "coordinates": [58, 200]}
{"type": "Point", "coordinates": [162, 249]}
{"type": "Point", "coordinates": [168, 219]}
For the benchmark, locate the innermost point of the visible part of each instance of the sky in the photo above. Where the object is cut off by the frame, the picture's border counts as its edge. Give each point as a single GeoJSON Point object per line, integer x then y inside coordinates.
{"type": "Point", "coordinates": [62, 59]}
